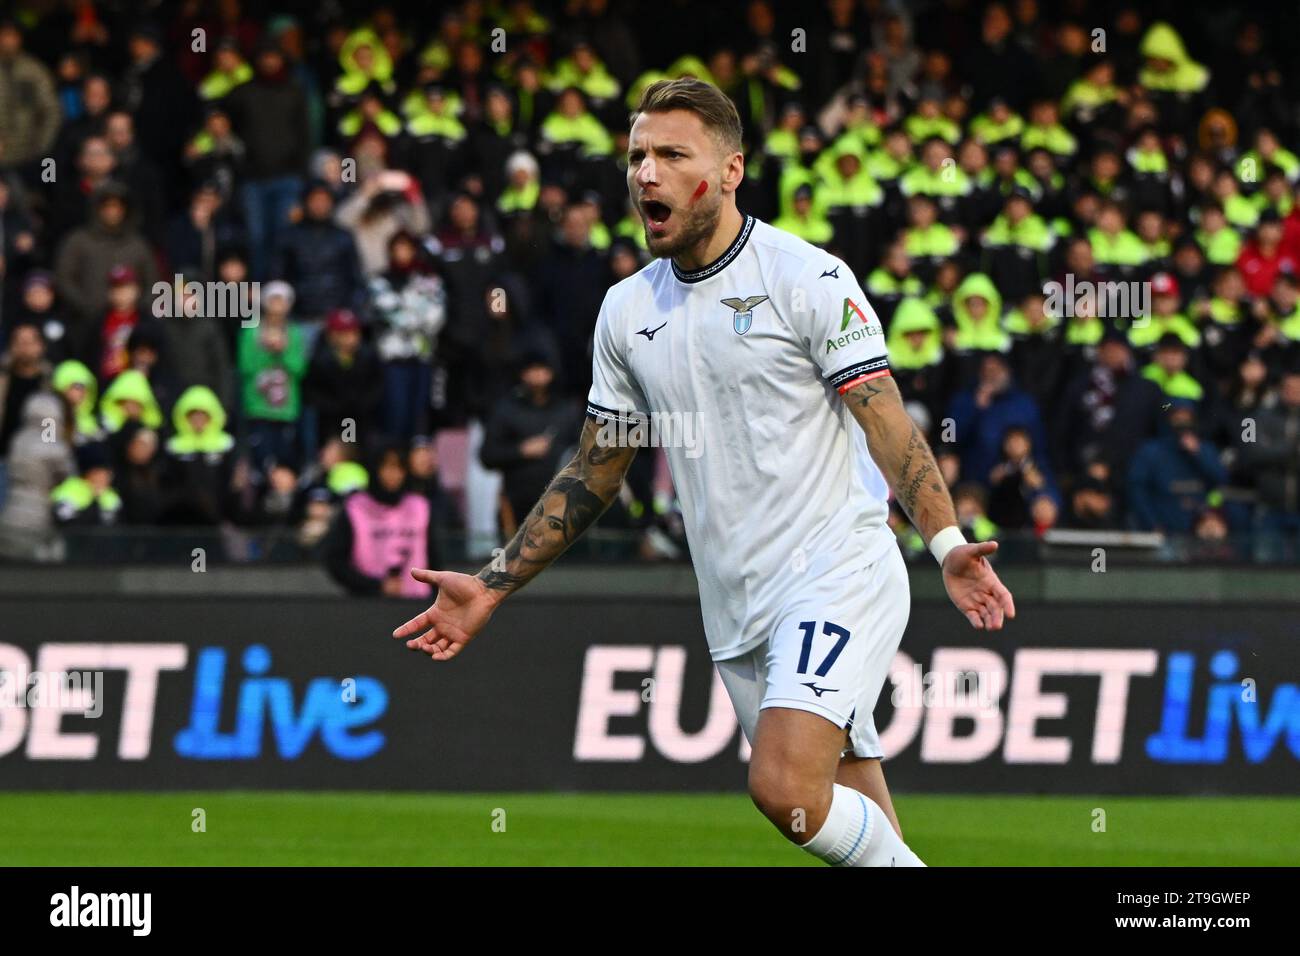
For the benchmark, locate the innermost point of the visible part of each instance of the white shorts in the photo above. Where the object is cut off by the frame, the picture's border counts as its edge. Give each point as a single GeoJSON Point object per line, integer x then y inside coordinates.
{"type": "Point", "coordinates": [829, 653]}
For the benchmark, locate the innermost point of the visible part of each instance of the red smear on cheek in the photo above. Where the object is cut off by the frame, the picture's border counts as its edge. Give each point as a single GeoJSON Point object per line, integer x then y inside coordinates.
{"type": "Point", "coordinates": [700, 190]}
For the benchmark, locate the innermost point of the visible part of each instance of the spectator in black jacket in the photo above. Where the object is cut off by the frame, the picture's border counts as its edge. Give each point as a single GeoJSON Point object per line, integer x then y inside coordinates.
{"type": "Point", "coordinates": [160, 100]}
{"type": "Point", "coordinates": [319, 259]}
{"type": "Point", "coordinates": [527, 435]}
{"type": "Point", "coordinates": [344, 380]}
{"type": "Point", "coordinates": [96, 98]}
{"type": "Point", "coordinates": [195, 235]}
{"type": "Point", "coordinates": [1023, 491]}
{"type": "Point", "coordinates": [270, 115]}
{"type": "Point", "coordinates": [997, 66]}
{"type": "Point", "coordinates": [571, 285]}
{"type": "Point", "coordinates": [38, 306]}
{"type": "Point", "coordinates": [1037, 356]}
{"type": "Point", "coordinates": [139, 474]}
{"type": "Point", "coordinates": [71, 197]}
{"type": "Point", "coordinates": [1107, 412]}
{"type": "Point", "coordinates": [468, 254]}
{"type": "Point", "coordinates": [17, 237]}
{"type": "Point", "coordinates": [194, 346]}
{"type": "Point", "coordinates": [138, 171]}
{"type": "Point", "coordinates": [1273, 455]}
{"type": "Point", "coordinates": [1092, 506]}
{"type": "Point", "coordinates": [494, 138]}
{"type": "Point", "coordinates": [509, 335]}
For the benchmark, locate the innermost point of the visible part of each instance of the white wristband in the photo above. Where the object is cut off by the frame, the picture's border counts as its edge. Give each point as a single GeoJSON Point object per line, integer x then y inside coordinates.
{"type": "Point", "coordinates": [943, 542]}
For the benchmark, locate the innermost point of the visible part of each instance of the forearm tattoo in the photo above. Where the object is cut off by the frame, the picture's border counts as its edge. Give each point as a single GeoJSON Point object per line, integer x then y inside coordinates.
{"type": "Point", "coordinates": [571, 503]}
{"type": "Point", "coordinates": [862, 394]}
{"type": "Point", "coordinates": [920, 491]}
{"type": "Point", "coordinates": [908, 466]}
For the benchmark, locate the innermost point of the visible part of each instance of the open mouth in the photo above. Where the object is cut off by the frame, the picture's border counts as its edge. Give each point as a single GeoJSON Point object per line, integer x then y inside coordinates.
{"type": "Point", "coordinates": [656, 212]}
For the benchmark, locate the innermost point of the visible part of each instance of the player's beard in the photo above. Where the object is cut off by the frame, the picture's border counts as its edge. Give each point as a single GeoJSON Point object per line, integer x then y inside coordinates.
{"type": "Point", "coordinates": [695, 227]}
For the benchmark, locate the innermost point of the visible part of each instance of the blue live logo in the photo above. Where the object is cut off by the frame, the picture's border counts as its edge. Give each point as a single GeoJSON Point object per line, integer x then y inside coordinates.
{"type": "Point", "coordinates": [326, 711]}
{"type": "Point", "coordinates": [1261, 727]}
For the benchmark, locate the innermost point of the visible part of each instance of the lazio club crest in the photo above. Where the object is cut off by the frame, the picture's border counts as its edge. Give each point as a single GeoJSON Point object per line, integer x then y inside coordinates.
{"type": "Point", "coordinates": [744, 309]}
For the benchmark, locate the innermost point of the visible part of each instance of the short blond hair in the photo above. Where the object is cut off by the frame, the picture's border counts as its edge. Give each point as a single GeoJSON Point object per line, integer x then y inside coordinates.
{"type": "Point", "coordinates": [710, 104]}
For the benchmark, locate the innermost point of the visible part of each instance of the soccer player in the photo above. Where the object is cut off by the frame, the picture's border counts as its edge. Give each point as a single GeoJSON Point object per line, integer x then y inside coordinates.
{"type": "Point", "coordinates": [770, 344]}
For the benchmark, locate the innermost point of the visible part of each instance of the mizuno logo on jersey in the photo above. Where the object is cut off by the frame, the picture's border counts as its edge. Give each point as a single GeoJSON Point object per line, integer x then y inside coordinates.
{"type": "Point", "coordinates": [744, 309]}
{"type": "Point", "coordinates": [833, 273]}
{"type": "Point", "coordinates": [649, 333]}
{"type": "Point", "coordinates": [812, 685]}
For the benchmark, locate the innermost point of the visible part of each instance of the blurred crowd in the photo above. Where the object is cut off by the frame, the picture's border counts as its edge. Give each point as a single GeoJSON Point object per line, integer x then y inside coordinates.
{"type": "Point", "coordinates": [1077, 222]}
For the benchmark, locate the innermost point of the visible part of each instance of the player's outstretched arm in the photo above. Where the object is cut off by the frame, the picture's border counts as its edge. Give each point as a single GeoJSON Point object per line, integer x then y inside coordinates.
{"type": "Point", "coordinates": [571, 503]}
{"type": "Point", "coordinates": [905, 459]}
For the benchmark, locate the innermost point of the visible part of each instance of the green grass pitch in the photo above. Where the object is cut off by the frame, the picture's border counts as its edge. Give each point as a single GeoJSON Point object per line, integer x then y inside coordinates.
{"type": "Point", "coordinates": [439, 829]}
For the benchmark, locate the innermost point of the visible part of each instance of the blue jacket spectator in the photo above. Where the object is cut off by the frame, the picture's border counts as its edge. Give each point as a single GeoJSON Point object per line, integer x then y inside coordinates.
{"type": "Point", "coordinates": [982, 414]}
{"type": "Point", "coordinates": [1173, 475]}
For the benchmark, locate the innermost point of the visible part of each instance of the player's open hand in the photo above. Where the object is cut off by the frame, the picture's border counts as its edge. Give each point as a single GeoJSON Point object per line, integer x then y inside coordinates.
{"type": "Point", "coordinates": [974, 587]}
{"type": "Point", "coordinates": [463, 606]}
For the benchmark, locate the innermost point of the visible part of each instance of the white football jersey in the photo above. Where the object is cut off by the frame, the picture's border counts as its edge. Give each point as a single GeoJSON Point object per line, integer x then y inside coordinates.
{"type": "Point", "coordinates": [736, 370]}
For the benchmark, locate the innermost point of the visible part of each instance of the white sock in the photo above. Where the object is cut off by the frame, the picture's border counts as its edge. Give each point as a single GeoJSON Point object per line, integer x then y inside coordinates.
{"type": "Point", "coordinates": [857, 833]}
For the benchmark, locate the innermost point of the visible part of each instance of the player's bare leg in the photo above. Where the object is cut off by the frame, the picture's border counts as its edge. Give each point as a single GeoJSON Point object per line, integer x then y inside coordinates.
{"type": "Point", "coordinates": [866, 775]}
{"type": "Point", "coordinates": [792, 781]}
{"type": "Point", "coordinates": [795, 758]}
